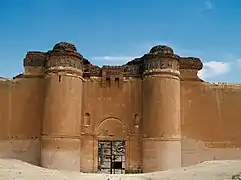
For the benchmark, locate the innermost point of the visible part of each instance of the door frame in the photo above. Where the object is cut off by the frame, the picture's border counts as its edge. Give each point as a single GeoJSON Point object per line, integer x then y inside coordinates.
{"type": "Point", "coordinates": [112, 170]}
{"type": "Point", "coordinates": [96, 141]}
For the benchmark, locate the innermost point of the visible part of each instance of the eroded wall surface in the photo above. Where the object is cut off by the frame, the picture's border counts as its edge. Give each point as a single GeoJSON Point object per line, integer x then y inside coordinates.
{"type": "Point", "coordinates": [20, 118]}
{"type": "Point", "coordinates": [210, 115]}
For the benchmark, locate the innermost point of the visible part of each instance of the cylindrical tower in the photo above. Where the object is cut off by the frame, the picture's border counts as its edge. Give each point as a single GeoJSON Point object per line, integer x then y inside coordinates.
{"type": "Point", "coordinates": [161, 110]}
{"type": "Point", "coordinates": [62, 108]}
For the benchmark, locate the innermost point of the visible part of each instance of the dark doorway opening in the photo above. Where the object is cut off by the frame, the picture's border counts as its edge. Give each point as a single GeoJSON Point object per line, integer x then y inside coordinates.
{"type": "Point", "coordinates": [111, 157]}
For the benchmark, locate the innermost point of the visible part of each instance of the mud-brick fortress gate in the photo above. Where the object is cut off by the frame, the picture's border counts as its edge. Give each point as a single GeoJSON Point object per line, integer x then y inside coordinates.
{"type": "Point", "coordinates": [152, 113]}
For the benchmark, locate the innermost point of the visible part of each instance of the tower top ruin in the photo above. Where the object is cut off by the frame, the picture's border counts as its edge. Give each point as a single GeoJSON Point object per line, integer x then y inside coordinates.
{"type": "Point", "coordinates": [161, 49]}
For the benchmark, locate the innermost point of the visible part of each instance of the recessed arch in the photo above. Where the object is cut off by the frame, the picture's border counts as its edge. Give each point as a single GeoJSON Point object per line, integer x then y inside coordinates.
{"type": "Point", "coordinates": [87, 120]}
{"type": "Point", "coordinates": [111, 127]}
{"type": "Point", "coordinates": [137, 119]}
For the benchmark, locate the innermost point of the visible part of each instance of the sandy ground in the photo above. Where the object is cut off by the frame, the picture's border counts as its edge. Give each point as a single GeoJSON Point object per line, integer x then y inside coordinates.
{"type": "Point", "coordinates": [11, 169]}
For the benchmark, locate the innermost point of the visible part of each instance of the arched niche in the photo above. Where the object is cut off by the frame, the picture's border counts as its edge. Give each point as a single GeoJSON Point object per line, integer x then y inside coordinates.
{"type": "Point", "coordinates": [112, 128]}
{"type": "Point", "coordinates": [137, 120]}
{"type": "Point", "coordinates": [87, 120]}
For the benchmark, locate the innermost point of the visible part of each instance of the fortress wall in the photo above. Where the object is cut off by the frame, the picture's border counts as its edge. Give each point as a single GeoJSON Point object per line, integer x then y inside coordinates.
{"type": "Point", "coordinates": [210, 115]}
{"type": "Point", "coordinates": [4, 108]}
{"type": "Point", "coordinates": [111, 107]}
{"type": "Point", "coordinates": [21, 115]}
{"type": "Point", "coordinates": [119, 102]}
{"type": "Point", "coordinates": [27, 107]}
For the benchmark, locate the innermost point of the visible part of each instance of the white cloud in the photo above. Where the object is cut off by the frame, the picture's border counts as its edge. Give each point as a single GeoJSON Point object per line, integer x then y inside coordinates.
{"type": "Point", "coordinates": [213, 69]}
{"type": "Point", "coordinates": [208, 5]}
{"type": "Point", "coordinates": [114, 58]}
{"type": "Point", "coordinates": [238, 61]}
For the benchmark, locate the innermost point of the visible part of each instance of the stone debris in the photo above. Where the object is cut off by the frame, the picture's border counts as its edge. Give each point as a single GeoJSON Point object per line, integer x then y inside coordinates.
{"type": "Point", "coordinates": [11, 169]}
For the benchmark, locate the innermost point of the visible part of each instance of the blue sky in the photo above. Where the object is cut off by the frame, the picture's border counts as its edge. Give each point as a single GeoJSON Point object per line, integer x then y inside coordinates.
{"type": "Point", "coordinates": [114, 31]}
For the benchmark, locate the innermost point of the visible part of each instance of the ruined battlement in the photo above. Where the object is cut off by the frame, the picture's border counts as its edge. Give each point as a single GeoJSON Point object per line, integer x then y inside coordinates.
{"type": "Point", "coordinates": [64, 47]}
{"type": "Point", "coordinates": [65, 56]}
{"type": "Point", "coordinates": [35, 59]}
{"type": "Point", "coordinates": [62, 55]}
{"type": "Point", "coordinates": [224, 86]}
{"type": "Point", "coordinates": [191, 63]}
{"type": "Point", "coordinates": [4, 79]}
{"type": "Point", "coordinates": [112, 71]}
{"type": "Point", "coordinates": [161, 50]}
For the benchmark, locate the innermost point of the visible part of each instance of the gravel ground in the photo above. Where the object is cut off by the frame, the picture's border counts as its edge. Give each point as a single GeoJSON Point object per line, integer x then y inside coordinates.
{"type": "Point", "coordinates": [11, 169]}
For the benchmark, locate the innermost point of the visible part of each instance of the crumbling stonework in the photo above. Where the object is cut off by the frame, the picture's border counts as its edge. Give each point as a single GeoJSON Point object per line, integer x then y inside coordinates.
{"type": "Point", "coordinates": [56, 111]}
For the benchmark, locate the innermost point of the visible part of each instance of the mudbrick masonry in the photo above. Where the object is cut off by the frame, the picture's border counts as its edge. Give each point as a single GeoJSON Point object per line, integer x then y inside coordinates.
{"type": "Point", "coordinates": [152, 113]}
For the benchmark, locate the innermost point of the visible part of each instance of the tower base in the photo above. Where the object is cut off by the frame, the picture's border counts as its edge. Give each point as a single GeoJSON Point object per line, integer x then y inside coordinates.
{"type": "Point", "coordinates": [159, 155]}
{"type": "Point", "coordinates": [61, 153]}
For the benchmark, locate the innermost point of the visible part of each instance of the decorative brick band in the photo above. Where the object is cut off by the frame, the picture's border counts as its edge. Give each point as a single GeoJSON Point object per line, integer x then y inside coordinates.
{"type": "Point", "coordinates": [68, 71]}
{"type": "Point", "coordinates": [64, 59]}
{"type": "Point", "coordinates": [61, 136]}
{"type": "Point", "coordinates": [163, 138]}
{"type": "Point", "coordinates": [161, 60]}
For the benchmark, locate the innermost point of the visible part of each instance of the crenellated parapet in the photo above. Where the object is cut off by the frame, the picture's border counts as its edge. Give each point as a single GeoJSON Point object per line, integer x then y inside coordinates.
{"type": "Point", "coordinates": [111, 75]}
{"type": "Point", "coordinates": [161, 60]}
{"type": "Point", "coordinates": [110, 71]}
